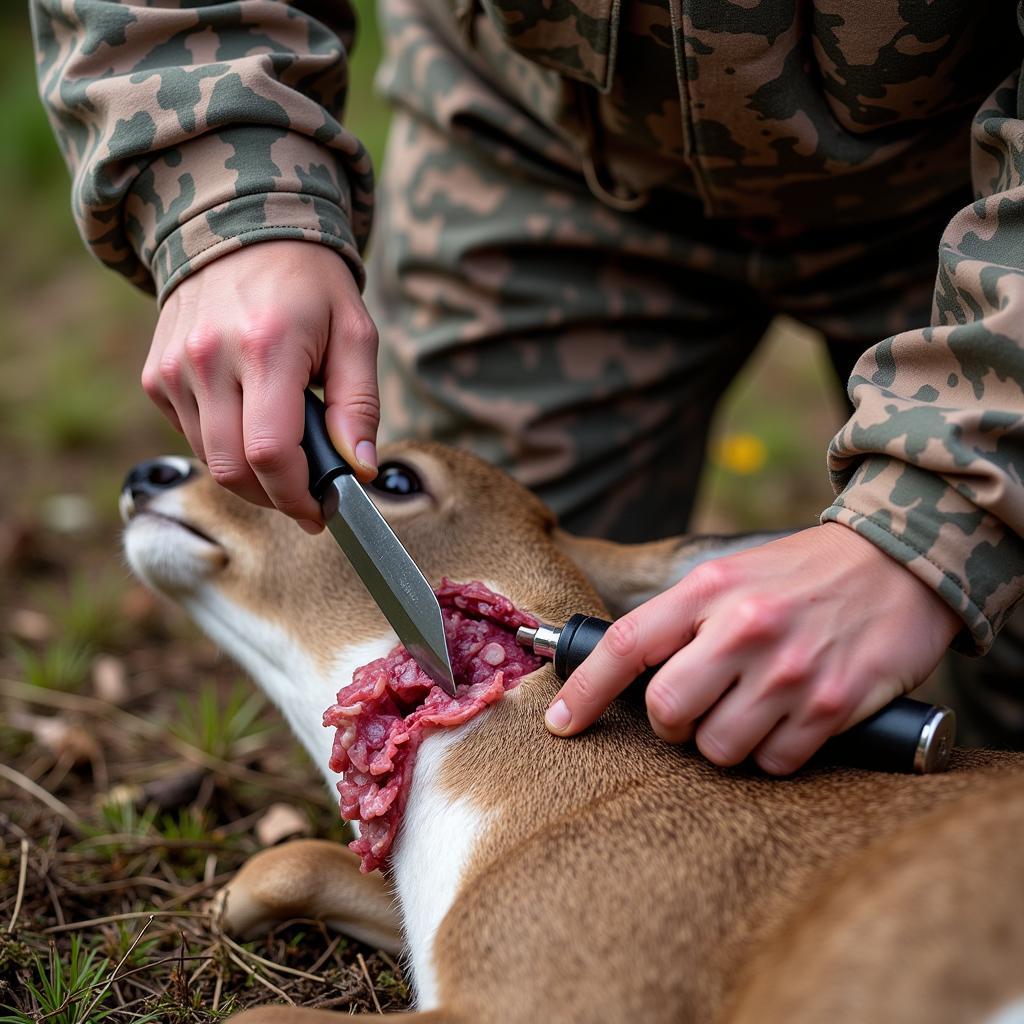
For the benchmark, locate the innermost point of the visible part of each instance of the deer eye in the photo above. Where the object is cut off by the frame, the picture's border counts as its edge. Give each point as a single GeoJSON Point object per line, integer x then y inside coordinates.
{"type": "Point", "coordinates": [396, 479]}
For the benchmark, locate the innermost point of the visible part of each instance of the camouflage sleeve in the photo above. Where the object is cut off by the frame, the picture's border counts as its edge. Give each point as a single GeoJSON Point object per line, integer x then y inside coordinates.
{"type": "Point", "coordinates": [193, 128]}
{"type": "Point", "coordinates": [930, 467]}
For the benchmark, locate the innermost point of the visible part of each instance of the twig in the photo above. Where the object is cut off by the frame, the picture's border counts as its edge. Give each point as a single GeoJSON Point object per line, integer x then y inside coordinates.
{"type": "Point", "coordinates": [369, 981]}
{"type": "Point", "coordinates": [269, 963]}
{"type": "Point", "coordinates": [6, 823]}
{"type": "Point", "coordinates": [326, 954]}
{"type": "Point", "coordinates": [84, 1019]}
{"type": "Point", "coordinates": [58, 910]}
{"type": "Point", "coordinates": [32, 788]}
{"type": "Point", "coordinates": [137, 843]}
{"type": "Point", "coordinates": [329, 1002]}
{"type": "Point", "coordinates": [22, 876]}
{"type": "Point", "coordinates": [396, 970]}
{"type": "Point", "coordinates": [131, 915]}
{"type": "Point", "coordinates": [58, 773]}
{"type": "Point", "coordinates": [169, 874]}
{"type": "Point", "coordinates": [157, 963]}
{"type": "Point", "coordinates": [148, 989]}
{"type": "Point", "coordinates": [215, 1006]}
{"type": "Point", "coordinates": [100, 775]}
{"type": "Point", "coordinates": [195, 890]}
{"type": "Point", "coordinates": [116, 884]}
{"type": "Point", "coordinates": [74, 993]}
{"type": "Point", "coordinates": [256, 976]}
{"type": "Point", "coordinates": [137, 1016]}
{"type": "Point", "coordinates": [207, 960]}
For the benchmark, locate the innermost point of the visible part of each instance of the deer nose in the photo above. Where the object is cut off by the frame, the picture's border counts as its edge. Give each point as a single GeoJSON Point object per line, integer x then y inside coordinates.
{"type": "Point", "coordinates": [153, 477]}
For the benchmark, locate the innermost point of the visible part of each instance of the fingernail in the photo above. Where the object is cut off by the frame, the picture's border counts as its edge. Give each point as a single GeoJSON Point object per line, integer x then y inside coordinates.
{"type": "Point", "coordinates": [366, 454]}
{"type": "Point", "coordinates": [309, 526]}
{"type": "Point", "coordinates": [558, 716]}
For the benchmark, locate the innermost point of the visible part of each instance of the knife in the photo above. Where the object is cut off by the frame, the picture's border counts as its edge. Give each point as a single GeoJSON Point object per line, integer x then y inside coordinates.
{"type": "Point", "coordinates": [905, 736]}
{"type": "Point", "coordinates": [377, 555]}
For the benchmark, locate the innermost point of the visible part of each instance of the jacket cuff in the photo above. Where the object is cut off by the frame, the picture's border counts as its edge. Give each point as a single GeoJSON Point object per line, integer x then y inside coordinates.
{"type": "Point", "coordinates": [967, 556]}
{"type": "Point", "coordinates": [216, 193]}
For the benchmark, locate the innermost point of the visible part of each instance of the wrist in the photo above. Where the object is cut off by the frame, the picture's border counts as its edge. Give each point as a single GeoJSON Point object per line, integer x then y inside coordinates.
{"type": "Point", "coordinates": [180, 258]}
{"type": "Point", "coordinates": [265, 268]}
{"type": "Point", "coordinates": [890, 578]}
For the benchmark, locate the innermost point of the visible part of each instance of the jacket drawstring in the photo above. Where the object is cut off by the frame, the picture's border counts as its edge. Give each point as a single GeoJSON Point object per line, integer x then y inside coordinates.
{"type": "Point", "coordinates": [602, 185]}
{"type": "Point", "coordinates": [465, 19]}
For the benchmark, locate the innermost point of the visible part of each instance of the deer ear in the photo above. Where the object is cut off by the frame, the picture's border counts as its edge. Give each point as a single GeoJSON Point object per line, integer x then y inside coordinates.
{"type": "Point", "coordinates": [626, 575]}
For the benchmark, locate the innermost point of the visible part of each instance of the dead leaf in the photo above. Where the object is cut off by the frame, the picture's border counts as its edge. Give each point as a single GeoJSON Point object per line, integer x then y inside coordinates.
{"type": "Point", "coordinates": [281, 821]}
{"type": "Point", "coordinates": [29, 625]}
{"type": "Point", "coordinates": [62, 737]}
{"type": "Point", "coordinates": [67, 513]}
{"type": "Point", "coordinates": [109, 679]}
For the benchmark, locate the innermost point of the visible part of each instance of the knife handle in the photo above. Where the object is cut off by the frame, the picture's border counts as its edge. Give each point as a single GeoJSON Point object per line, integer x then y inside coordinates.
{"type": "Point", "coordinates": [324, 461]}
{"type": "Point", "coordinates": [904, 736]}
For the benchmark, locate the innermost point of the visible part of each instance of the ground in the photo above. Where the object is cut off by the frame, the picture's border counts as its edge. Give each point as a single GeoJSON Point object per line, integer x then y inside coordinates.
{"type": "Point", "coordinates": [138, 768]}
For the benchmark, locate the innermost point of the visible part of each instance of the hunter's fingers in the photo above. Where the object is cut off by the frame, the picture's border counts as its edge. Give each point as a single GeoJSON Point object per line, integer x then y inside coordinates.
{"type": "Point", "coordinates": [646, 636]}
{"type": "Point", "coordinates": [274, 373]}
{"type": "Point", "coordinates": [350, 386]}
{"type": "Point", "coordinates": [687, 685]}
{"type": "Point", "coordinates": [221, 417]}
{"type": "Point", "coordinates": [835, 703]}
{"type": "Point", "coordinates": [212, 381]}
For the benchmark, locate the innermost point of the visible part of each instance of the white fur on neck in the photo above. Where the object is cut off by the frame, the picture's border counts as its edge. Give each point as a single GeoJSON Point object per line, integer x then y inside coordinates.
{"type": "Point", "coordinates": [285, 673]}
{"type": "Point", "coordinates": [438, 833]}
{"type": "Point", "coordinates": [436, 839]}
{"type": "Point", "coordinates": [1011, 1013]}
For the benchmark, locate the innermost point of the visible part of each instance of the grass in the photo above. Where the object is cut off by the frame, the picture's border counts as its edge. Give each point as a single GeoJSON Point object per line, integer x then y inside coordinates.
{"type": "Point", "coordinates": [75, 418]}
{"type": "Point", "coordinates": [228, 727]}
{"type": "Point", "coordinates": [87, 613]}
{"type": "Point", "coordinates": [60, 665]}
{"type": "Point", "coordinates": [124, 818]}
{"type": "Point", "coordinates": [80, 895]}
{"type": "Point", "coordinates": [73, 989]}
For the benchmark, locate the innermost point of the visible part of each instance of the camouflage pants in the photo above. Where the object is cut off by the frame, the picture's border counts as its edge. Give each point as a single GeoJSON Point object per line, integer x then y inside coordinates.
{"type": "Point", "coordinates": [584, 349]}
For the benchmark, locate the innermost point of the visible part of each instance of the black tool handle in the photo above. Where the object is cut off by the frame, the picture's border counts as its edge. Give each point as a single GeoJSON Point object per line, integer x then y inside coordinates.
{"type": "Point", "coordinates": [324, 461]}
{"type": "Point", "coordinates": [905, 736]}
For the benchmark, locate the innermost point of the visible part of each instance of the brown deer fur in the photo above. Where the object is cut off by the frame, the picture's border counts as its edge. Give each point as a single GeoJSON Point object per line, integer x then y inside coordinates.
{"type": "Point", "coordinates": [618, 878]}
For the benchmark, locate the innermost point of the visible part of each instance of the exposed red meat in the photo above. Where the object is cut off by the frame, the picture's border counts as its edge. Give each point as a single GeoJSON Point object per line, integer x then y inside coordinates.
{"type": "Point", "coordinates": [382, 716]}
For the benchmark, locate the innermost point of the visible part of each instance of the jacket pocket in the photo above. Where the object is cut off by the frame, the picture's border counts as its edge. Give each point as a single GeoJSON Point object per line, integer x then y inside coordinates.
{"type": "Point", "coordinates": [576, 38]}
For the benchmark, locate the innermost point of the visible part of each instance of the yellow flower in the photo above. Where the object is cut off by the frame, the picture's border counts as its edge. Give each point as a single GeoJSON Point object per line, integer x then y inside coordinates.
{"type": "Point", "coordinates": [741, 453]}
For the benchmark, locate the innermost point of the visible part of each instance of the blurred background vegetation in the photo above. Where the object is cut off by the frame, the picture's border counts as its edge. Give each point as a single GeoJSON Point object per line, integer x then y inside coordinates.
{"type": "Point", "coordinates": [157, 764]}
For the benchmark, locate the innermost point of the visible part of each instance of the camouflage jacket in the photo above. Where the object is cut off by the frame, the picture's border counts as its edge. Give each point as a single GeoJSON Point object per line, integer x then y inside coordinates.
{"type": "Point", "coordinates": [192, 128]}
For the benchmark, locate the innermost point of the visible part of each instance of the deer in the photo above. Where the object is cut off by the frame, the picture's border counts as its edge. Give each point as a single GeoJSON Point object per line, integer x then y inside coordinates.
{"type": "Point", "coordinates": [607, 878]}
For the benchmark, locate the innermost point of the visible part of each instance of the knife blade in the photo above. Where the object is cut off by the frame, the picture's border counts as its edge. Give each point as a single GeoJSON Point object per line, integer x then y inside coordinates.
{"type": "Point", "coordinates": [387, 570]}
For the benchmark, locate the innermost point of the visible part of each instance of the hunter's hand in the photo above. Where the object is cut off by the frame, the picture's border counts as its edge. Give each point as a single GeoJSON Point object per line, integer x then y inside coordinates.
{"type": "Point", "coordinates": [770, 651]}
{"type": "Point", "coordinates": [236, 344]}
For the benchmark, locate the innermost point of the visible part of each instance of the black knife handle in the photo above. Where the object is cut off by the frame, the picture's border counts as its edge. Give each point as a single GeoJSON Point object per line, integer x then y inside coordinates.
{"type": "Point", "coordinates": [905, 736]}
{"type": "Point", "coordinates": [324, 461]}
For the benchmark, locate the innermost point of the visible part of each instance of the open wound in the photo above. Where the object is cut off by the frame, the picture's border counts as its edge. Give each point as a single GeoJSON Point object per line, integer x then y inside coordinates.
{"type": "Point", "coordinates": [382, 716]}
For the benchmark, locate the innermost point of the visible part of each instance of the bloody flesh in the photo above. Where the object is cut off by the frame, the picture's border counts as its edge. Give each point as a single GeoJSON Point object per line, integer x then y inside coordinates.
{"type": "Point", "coordinates": [382, 716]}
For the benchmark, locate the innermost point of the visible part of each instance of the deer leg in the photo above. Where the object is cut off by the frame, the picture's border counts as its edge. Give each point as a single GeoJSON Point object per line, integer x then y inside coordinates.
{"type": "Point", "coordinates": [311, 878]}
